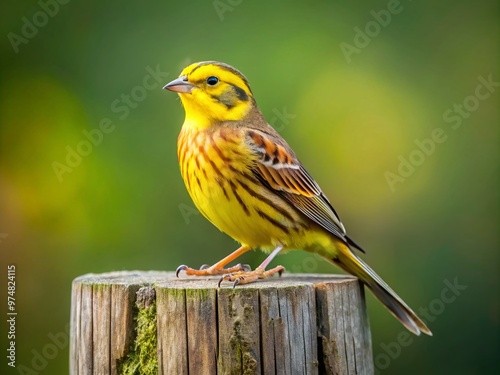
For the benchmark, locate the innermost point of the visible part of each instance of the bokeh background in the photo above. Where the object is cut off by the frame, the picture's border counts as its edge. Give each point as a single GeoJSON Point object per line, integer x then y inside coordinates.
{"type": "Point", "coordinates": [352, 107]}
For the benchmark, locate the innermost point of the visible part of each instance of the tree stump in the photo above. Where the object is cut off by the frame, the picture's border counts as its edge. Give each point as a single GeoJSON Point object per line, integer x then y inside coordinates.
{"type": "Point", "coordinates": [154, 323]}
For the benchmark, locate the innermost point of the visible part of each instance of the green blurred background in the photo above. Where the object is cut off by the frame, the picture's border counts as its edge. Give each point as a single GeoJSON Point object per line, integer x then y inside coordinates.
{"type": "Point", "coordinates": [351, 118]}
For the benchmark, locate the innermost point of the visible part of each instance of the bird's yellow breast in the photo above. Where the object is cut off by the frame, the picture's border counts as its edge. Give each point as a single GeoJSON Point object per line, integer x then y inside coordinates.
{"type": "Point", "coordinates": [216, 166]}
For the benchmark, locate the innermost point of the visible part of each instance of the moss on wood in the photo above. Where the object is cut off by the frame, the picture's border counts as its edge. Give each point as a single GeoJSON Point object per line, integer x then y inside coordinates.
{"type": "Point", "coordinates": [142, 357]}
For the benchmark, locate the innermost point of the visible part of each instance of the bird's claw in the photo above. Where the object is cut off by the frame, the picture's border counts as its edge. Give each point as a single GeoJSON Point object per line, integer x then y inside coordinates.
{"type": "Point", "coordinates": [204, 270]}
{"type": "Point", "coordinates": [220, 281]}
{"type": "Point", "coordinates": [236, 282]}
{"type": "Point", "coordinates": [236, 278]}
{"type": "Point", "coordinates": [245, 267]}
{"type": "Point", "coordinates": [247, 277]}
{"type": "Point", "coordinates": [182, 267]}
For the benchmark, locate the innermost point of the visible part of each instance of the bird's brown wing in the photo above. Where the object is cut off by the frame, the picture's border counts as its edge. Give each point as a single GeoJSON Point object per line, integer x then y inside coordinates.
{"type": "Point", "coordinates": [279, 169]}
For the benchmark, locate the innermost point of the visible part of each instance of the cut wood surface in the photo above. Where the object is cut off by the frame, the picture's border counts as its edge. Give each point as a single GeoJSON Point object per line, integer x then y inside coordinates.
{"type": "Point", "coordinates": [152, 322]}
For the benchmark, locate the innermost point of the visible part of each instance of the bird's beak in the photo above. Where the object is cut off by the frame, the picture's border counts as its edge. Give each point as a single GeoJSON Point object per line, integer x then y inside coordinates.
{"type": "Point", "coordinates": [180, 84]}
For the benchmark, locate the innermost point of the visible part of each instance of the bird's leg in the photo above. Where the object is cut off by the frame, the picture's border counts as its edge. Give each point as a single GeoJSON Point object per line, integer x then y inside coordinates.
{"type": "Point", "coordinates": [217, 268]}
{"type": "Point", "coordinates": [246, 277]}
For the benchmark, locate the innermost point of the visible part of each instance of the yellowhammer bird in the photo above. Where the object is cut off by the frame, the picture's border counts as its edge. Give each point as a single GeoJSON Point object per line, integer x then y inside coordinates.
{"type": "Point", "coordinates": [247, 181]}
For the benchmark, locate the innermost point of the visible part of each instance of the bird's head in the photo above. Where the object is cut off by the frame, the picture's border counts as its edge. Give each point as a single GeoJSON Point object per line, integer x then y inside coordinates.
{"type": "Point", "coordinates": [211, 92]}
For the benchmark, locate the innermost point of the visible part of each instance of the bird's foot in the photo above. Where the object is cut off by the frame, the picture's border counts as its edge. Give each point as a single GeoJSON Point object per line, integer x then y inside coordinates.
{"type": "Point", "coordinates": [206, 270]}
{"type": "Point", "coordinates": [246, 277]}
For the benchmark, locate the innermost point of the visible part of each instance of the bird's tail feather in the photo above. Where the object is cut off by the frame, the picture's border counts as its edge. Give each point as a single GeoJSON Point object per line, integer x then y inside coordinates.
{"type": "Point", "coordinates": [348, 261]}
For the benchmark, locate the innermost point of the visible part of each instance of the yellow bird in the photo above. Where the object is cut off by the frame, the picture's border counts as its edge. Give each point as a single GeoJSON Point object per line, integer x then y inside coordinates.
{"type": "Point", "coordinates": [247, 181]}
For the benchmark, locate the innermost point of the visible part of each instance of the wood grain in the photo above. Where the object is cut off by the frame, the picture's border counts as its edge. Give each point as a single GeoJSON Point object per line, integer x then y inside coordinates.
{"type": "Point", "coordinates": [297, 324]}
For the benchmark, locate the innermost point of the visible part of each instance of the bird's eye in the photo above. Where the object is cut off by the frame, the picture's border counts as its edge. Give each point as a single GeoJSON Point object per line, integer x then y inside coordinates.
{"type": "Point", "coordinates": [212, 81]}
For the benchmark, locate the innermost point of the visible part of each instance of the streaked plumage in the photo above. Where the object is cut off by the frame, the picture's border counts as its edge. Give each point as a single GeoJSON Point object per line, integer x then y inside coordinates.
{"type": "Point", "coordinates": [247, 181]}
